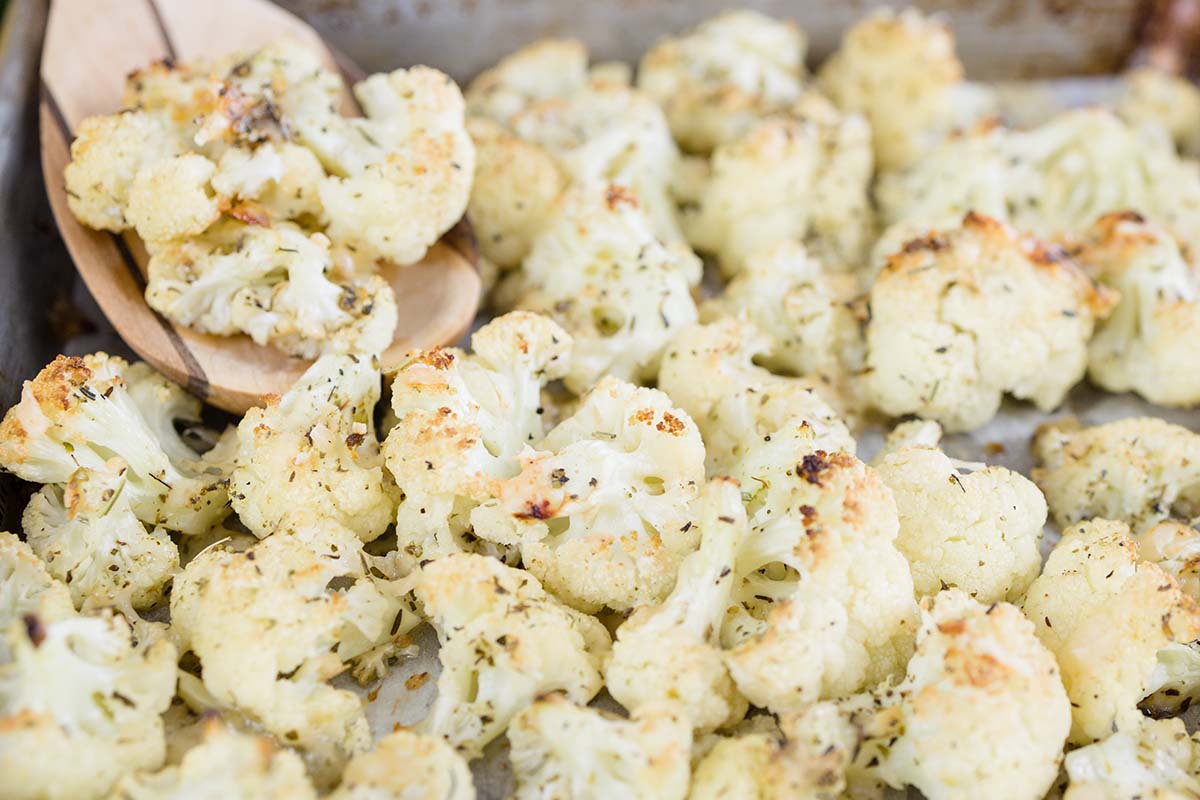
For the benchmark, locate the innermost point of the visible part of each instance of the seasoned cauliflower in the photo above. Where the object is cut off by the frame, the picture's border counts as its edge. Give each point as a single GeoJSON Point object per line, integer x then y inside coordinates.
{"type": "Point", "coordinates": [599, 271]}
{"type": "Point", "coordinates": [710, 372]}
{"type": "Point", "coordinates": [959, 318]}
{"type": "Point", "coordinates": [1153, 97]}
{"type": "Point", "coordinates": [504, 643]}
{"type": "Point", "coordinates": [1176, 548]}
{"type": "Point", "coordinates": [80, 412]}
{"type": "Point", "coordinates": [823, 600]}
{"type": "Point", "coordinates": [602, 510]}
{"type": "Point", "coordinates": [1145, 345]}
{"type": "Point", "coordinates": [171, 199]}
{"type": "Point", "coordinates": [26, 588]}
{"type": "Point", "coordinates": [462, 420]}
{"type": "Point", "coordinates": [979, 677]}
{"type": "Point", "coordinates": [901, 72]}
{"type": "Point", "coordinates": [225, 765]}
{"type": "Point", "coordinates": [407, 766]}
{"type": "Point", "coordinates": [1139, 470]}
{"type": "Point", "coordinates": [802, 177]}
{"type": "Point", "coordinates": [562, 751]}
{"type": "Point", "coordinates": [278, 285]}
{"type": "Point", "coordinates": [1144, 760]}
{"type": "Point", "coordinates": [671, 653]}
{"type": "Point", "coordinates": [962, 525]}
{"type": "Point", "coordinates": [314, 452]}
{"type": "Point", "coordinates": [731, 70]}
{"type": "Point", "coordinates": [543, 70]}
{"type": "Point", "coordinates": [79, 706]}
{"type": "Point", "coordinates": [1105, 615]}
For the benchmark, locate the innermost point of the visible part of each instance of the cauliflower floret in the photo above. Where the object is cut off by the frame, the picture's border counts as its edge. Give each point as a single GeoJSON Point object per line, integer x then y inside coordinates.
{"type": "Point", "coordinates": [716, 80]}
{"type": "Point", "coordinates": [709, 371]}
{"type": "Point", "coordinates": [542, 70]}
{"type": "Point", "coordinates": [171, 199]}
{"type": "Point", "coordinates": [807, 760]}
{"type": "Point", "coordinates": [1146, 345]}
{"type": "Point", "coordinates": [803, 177]}
{"type": "Point", "coordinates": [407, 766]}
{"type": "Point", "coordinates": [598, 270]}
{"type": "Point", "coordinates": [225, 765]}
{"type": "Point", "coordinates": [79, 707]}
{"type": "Point", "coordinates": [1145, 760]}
{"type": "Point", "coordinates": [89, 537]}
{"type": "Point", "coordinates": [26, 588]}
{"type": "Point", "coordinates": [80, 412]}
{"type": "Point", "coordinates": [504, 643]}
{"type": "Point", "coordinates": [1176, 548]}
{"type": "Point", "coordinates": [284, 179]}
{"type": "Point", "coordinates": [1152, 97]}
{"type": "Point", "coordinates": [968, 526]}
{"type": "Point", "coordinates": [980, 677]}
{"type": "Point", "coordinates": [277, 284]}
{"type": "Point", "coordinates": [1139, 470]}
{"type": "Point", "coordinates": [671, 653]}
{"type": "Point", "coordinates": [461, 422]}
{"type": "Point", "coordinates": [901, 72]}
{"type": "Point", "coordinates": [313, 451]}
{"type": "Point", "coordinates": [824, 600]}
{"type": "Point", "coordinates": [562, 751]}
{"type": "Point", "coordinates": [991, 312]}
{"type": "Point", "coordinates": [1105, 615]}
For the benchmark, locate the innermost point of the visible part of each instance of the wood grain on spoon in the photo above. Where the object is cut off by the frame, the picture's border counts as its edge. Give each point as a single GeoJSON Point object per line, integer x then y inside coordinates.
{"type": "Point", "coordinates": [91, 45]}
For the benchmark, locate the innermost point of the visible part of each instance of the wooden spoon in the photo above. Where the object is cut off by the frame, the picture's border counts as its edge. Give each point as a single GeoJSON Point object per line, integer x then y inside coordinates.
{"type": "Point", "coordinates": [91, 45]}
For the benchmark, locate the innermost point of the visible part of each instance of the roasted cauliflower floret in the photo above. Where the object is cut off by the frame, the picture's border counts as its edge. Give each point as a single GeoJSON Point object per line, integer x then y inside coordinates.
{"type": "Point", "coordinates": [226, 764]}
{"type": "Point", "coordinates": [958, 319]}
{"type": "Point", "coordinates": [717, 79]}
{"type": "Point", "coordinates": [504, 643]}
{"type": "Point", "coordinates": [1105, 615]}
{"type": "Point", "coordinates": [462, 420]}
{"type": "Point", "coordinates": [314, 452]}
{"type": "Point", "coordinates": [1144, 346]}
{"type": "Point", "coordinates": [1139, 470]}
{"type": "Point", "coordinates": [824, 600]}
{"type": "Point", "coordinates": [1176, 548]}
{"type": "Point", "coordinates": [79, 706]}
{"type": "Point", "coordinates": [599, 271]}
{"type": "Point", "coordinates": [901, 72]}
{"type": "Point", "coordinates": [80, 412]}
{"type": "Point", "coordinates": [979, 675]}
{"type": "Point", "coordinates": [602, 510]}
{"type": "Point", "coordinates": [671, 653]}
{"type": "Point", "coordinates": [26, 588]}
{"type": "Point", "coordinates": [1146, 760]}
{"type": "Point", "coordinates": [567, 752]}
{"type": "Point", "coordinates": [543, 70]}
{"type": "Point", "coordinates": [968, 526]}
{"type": "Point", "coordinates": [171, 199]}
{"type": "Point", "coordinates": [407, 766]}
{"type": "Point", "coordinates": [1153, 97]}
{"type": "Point", "coordinates": [710, 371]}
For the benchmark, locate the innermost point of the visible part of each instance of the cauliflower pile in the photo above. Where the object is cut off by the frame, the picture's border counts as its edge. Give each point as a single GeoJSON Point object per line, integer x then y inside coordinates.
{"type": "Point", "coordinates": [264, 210]}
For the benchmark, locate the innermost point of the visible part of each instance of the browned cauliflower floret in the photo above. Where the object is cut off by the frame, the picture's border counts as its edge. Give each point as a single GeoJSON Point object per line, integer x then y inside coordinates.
{"type": "Point", "coordinates": [1145, 760]}
{"type": "Point", "coordinates": [542, 70]}
{"type": "Point", "coordinates": [1153, 97]}
{"type": "Point", "coordinates": [962, 317]}
{"type": "Point", "coordinates": [407, 766]}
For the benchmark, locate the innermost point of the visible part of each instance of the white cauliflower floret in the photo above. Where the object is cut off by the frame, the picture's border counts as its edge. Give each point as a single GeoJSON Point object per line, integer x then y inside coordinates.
{"type": "Point", "coordinates": [803, 177]}
{"type": "Point", "coordinates": [807, 760]}
{"type": "Point", "coordinates": [598, 270]}
{"type": "Point", "coordinates": [710, 372]}
{"type": "Point", "coordinates": [901, 72]}
{"type": "Point", "coordinates": [1145, 760]}
{"type": "Point", "coordinates": [283, 179]}
{"type": "Point", "coordinates": [968, 526]}
{"type": "Point", "coordinates": [79, 707]}
{"type": "Point", "coordinates": [1145, 345]}
{"type": "Point", "coordinates": [407, 766]}
{"type": "Point", "coordinates": [1153, 97]}
{"type": "Point", "coordinates": [671, 653]}
{"type": "Point", "coordinates": [731, 70]}
{"type": "Point", "coordinates": [981, 712]}
{"type": "Point", "coordinates": [80, 412]}
{"type": "Point", "coordinates": [314, 452]}
{"type": "Point", "coordinates": [276, 284]}
{"type": "Point", "coordinates": [824, 600]}
{"type": "Point", "coordinates": [1175, 547]}
{"type": "Point", "coordinates": [1139, 470]}
{"type": "Point", "coordinates": [504, 643]}
{"type": "Point", "coordinates": [601, 510]}
{"type": "Point", "coordinates": [462, 420]}
{"type": "Point", "coordinates": [562, 751]}
{"type": "Point", "coordinates": [225, 765]}
{"type": "Point", "coordinates": [26, 588]}
{"type": "Point", "coordinates": [1106, 615]}
{"type": "Point", "coordinates": [171, 199]}
{"type": "Point", "coordinates": [542, 70]}
{"type": "Point", "coordinates": [958, 319]}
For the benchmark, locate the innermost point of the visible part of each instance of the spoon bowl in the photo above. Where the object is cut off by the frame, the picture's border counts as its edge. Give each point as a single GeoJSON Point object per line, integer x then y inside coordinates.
{"type": "Point", "coordinates": [91, 45]}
